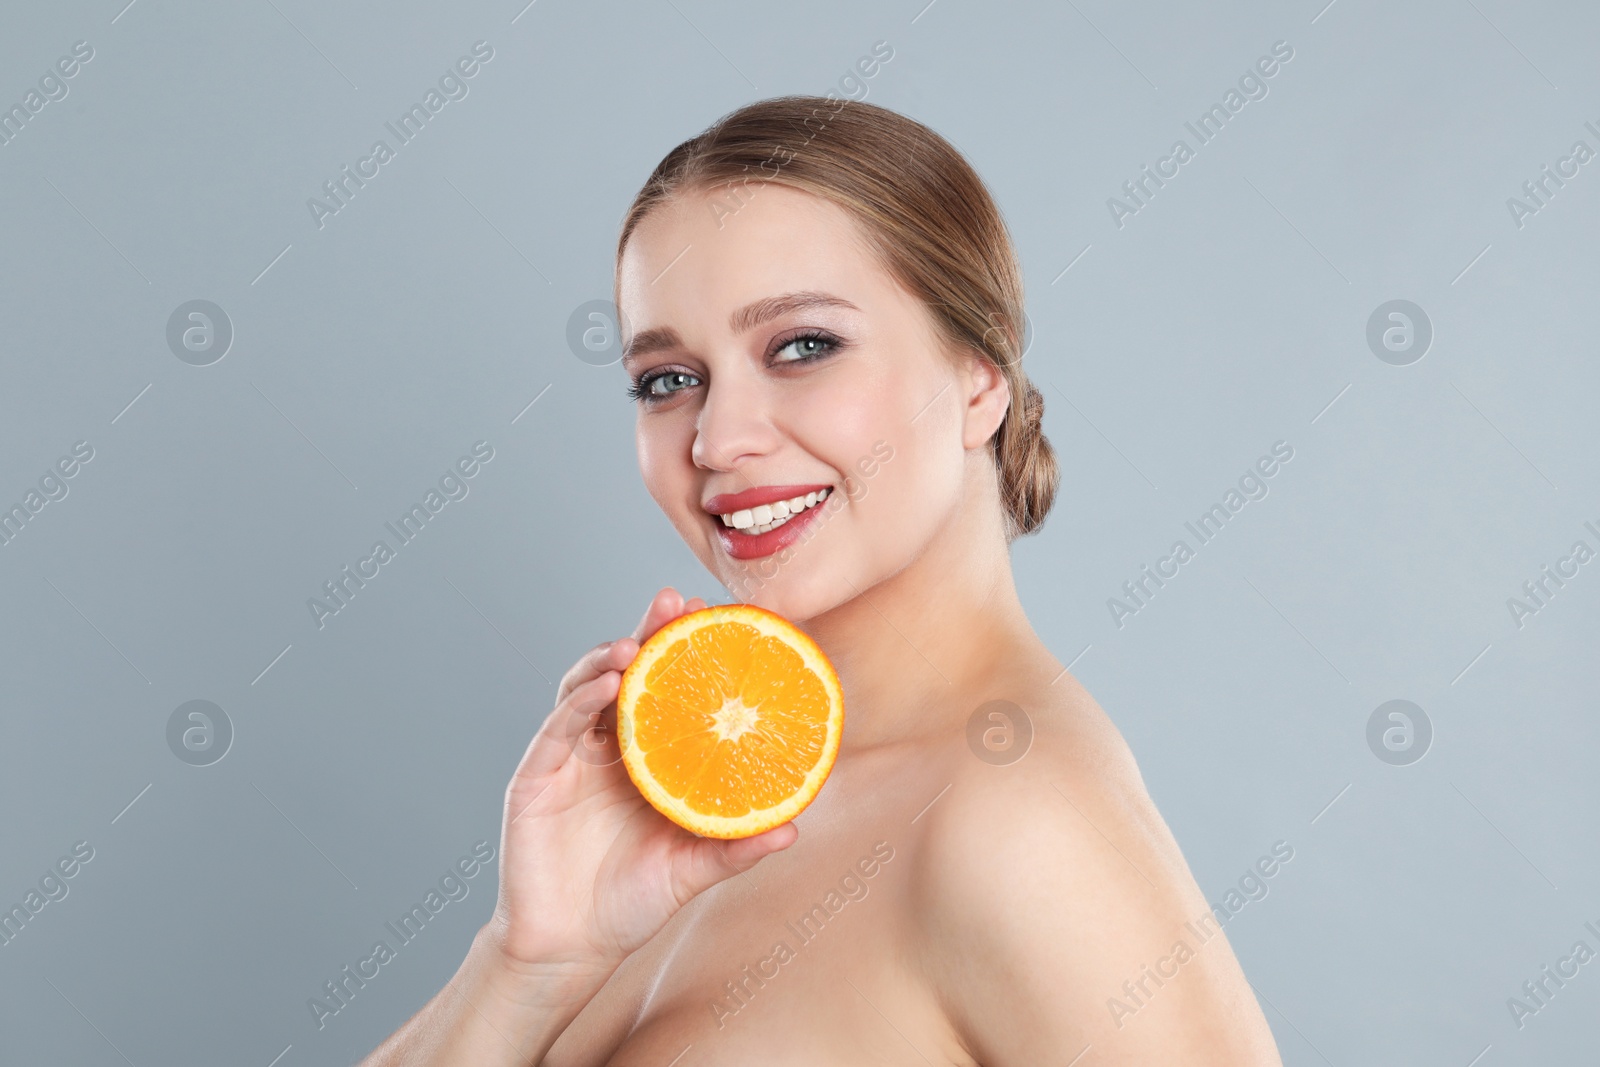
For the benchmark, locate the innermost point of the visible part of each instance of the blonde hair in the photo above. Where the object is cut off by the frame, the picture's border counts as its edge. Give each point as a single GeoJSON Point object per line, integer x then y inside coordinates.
{"type": "Point", "coordinates": [926, 213]}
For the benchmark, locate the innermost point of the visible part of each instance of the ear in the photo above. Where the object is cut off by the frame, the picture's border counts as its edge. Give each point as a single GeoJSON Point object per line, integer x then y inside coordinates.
{"type": "Point", "coordinates": [987, 395]}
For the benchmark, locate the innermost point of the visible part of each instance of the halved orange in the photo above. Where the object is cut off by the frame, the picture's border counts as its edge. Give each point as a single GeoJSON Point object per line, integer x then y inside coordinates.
{"type": "Point", "coordinates": [729, 720]}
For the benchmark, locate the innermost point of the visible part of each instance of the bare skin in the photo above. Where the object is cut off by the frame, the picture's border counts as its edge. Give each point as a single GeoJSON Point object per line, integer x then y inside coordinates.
{"type": "Point", "coordinates": [932, 906]}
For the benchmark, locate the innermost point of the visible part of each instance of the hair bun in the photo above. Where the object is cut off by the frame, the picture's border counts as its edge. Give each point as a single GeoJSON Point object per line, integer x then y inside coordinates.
{"type": "Point", "coordinates": [1029, 474]}
{"type": "Point", "coordinates": [1033, 409]}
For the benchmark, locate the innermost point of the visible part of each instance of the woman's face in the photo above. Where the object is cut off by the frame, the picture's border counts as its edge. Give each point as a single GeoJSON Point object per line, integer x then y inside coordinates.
{"type": "Point", "coordinates": [780, 364]}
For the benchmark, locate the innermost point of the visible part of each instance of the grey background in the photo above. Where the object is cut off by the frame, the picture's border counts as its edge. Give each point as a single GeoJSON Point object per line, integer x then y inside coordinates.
{"type": "Point", "coordinates": [370, 354]}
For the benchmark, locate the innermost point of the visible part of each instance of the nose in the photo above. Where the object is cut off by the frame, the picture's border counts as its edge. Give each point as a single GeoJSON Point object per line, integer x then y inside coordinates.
{"type": "Point", "coordinates": [734, 425]}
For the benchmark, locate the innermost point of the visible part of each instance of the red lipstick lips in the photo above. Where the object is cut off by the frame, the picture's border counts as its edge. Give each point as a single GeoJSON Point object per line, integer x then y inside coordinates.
{"type": "Point", "coordinates": [745, 546]}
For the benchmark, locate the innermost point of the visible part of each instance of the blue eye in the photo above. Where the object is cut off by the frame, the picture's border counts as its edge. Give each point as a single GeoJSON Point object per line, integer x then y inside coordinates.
{"type": "Point", "coordinates": [661, 384]}
{"type": "Point", "coordinates": [807, 346]}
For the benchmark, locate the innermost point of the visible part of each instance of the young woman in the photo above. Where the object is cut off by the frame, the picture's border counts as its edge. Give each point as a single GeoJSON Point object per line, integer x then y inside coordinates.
{"type": "Point", "coordinates": [821, 300]}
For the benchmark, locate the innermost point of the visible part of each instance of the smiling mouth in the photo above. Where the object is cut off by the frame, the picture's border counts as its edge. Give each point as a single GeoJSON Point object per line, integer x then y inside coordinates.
{"type": "Point", "coordinates": [768, 517]}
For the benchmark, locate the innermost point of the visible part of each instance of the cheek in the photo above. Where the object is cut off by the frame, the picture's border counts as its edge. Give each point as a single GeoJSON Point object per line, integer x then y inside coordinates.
{"type": "Point", "coordinates": [912, 492]}
{"type": "Point", "coordinates": [904, 499]}
{"type": "Point", "coordinates": [663, 462]}
{"type": "Point", "coordinates": [857, 422]}
{"type": "Point", "coordinates": [852, 412]}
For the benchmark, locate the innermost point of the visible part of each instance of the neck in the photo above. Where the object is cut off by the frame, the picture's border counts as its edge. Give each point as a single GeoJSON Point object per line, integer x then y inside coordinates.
{"type": "Point", "coordinates": [925, 641]}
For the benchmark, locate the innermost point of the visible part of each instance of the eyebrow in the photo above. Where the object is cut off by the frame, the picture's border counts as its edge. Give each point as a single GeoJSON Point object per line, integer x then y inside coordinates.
{"type": "Point", "coordinates": [746, 318]}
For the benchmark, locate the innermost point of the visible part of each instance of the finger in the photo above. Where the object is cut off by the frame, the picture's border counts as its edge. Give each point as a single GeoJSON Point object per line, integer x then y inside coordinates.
{"type": "Point", "coordinates": [587, 667]}
{"type": "Point", "coordinates": [667, 605]}
{"type": "Point", "coordinates": [697, 604]}
{"type": "Point", "coordinates": [553, 744]}
{"type": "Point", "coordinates": [710, 861]}
{"type": "Point", "coordinates": [745, 851]}
{"type": "Point", "coordinates": [608, 656]}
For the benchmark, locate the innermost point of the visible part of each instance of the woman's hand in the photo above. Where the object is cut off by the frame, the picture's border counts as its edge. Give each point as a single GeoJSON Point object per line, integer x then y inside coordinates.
{"type": "Point", "coordinates": [589, 871]}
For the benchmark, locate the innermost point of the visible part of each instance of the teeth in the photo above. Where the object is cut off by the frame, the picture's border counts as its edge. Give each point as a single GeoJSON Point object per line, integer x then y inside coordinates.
{"type": "Point", "coordinates": [764, 527]}
{"type": "Point", "coordinates": [759, 520]}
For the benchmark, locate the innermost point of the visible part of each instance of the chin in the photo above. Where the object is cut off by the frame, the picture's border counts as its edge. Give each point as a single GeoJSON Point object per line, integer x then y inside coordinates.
{"type": "Point", "coordinates": [799, 588]}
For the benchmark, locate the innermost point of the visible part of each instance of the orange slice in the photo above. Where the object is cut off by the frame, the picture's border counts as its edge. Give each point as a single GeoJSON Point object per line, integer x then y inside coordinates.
{"type": "Point", "coordinates": [729, 720]}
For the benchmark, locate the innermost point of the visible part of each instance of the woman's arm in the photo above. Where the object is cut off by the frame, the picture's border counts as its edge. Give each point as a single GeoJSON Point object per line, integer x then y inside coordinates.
{"type": "Point", "coordinates": [493, 1013]}
{"type": "Point", "coordinates": [588, 873]}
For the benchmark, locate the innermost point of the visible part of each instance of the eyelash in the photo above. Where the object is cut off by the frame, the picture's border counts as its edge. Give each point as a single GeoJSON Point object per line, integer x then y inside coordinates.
{"type": "Point", "coordinates": [639, 390]}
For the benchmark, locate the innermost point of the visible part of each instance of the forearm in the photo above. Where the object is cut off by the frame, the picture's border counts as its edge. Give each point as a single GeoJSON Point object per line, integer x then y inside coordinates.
{"type": "Point", "coordinates": [490, 1014]}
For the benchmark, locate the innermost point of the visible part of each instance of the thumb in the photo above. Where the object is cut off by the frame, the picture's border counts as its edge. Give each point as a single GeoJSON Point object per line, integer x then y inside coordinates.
{"type": "Point", "coordinates": [710, 860]}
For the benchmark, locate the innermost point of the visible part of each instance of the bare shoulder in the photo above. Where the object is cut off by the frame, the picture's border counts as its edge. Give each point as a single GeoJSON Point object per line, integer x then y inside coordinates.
{"type": "Point", "coordinates": [1046, 888]}
{"type": "Point", "coordinates": [1047, 788]}
{"type": "Point", "coordinates": [1047, 801]}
